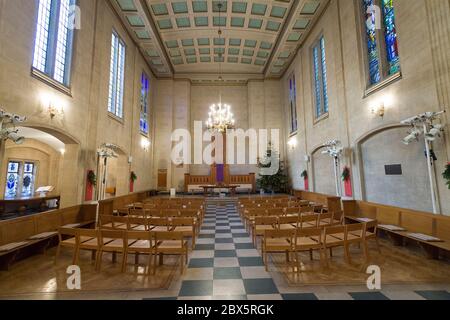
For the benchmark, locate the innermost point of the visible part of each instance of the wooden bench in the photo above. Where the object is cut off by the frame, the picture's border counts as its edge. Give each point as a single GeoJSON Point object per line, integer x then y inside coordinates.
{"type": "Point", "coordinates": [26, 236]}
{"type": "Point", "coordinates": [331, 203]}
{"type": "Point", "coordinates": [410, 220]}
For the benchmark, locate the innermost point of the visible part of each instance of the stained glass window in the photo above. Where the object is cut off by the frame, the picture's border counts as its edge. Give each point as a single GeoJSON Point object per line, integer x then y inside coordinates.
{"type": "Point", "coordinates": [380, 26]}
{"type": "Point", "coordinates": [53, 39]}
{"type": "Point", "coordinates": [320, 78]}
{"type": "Point", "coordinates": [117, 75]}
{"type": "Point", "coordinates": [12, 180]}
{"type": "Point", "coordinates": [293, 103]}
{"type": "Point", "coordinates": [28, 180]}
{"type": "Point", "coordinates": [144, 104]}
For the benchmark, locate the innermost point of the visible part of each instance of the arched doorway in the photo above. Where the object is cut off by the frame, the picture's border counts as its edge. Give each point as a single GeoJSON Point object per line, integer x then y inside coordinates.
{"type": "Point", "coordinates": [392, 173]}
{"type": "Point", "coordinates": [48, 157]}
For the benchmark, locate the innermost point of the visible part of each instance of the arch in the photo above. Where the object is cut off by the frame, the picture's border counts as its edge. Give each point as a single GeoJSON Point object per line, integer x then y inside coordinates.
{"type": "Point", "coordinates": [63, 136]}
{"type": "Point", "coordinates": [358, 152]}
{"type": "Point", "coordinates": [312, 174]}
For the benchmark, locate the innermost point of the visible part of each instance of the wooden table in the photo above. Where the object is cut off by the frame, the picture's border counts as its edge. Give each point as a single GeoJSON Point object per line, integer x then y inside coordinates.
{"type": "Point", "coordinates": [231, 188]}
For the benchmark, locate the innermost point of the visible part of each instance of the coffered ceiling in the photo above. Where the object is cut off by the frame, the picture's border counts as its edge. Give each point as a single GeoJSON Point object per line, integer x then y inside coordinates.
{"type": "Point", "coordinates": [180, 38]}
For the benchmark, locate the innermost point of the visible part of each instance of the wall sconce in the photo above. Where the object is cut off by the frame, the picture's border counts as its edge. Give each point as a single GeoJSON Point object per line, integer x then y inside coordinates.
{"type": "Point", "coordinates": [379, 110]}
{"type": "Point", "coordinates": [62, 151]}
{"type": "Point", "coordinates": [292, 143]}
{"type": "Point", "coordinates": [145, 144]}
{"type": "Point", "coordinates": [54, 111]}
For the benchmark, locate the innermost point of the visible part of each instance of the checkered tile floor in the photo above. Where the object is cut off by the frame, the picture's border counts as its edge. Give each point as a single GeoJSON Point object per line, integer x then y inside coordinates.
{"type": "Point", "coordinates": [225, 265]}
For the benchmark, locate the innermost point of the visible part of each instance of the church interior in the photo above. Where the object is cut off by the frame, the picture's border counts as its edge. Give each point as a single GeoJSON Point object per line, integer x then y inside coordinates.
{"type": "Point", "coordinates": [225, 149]}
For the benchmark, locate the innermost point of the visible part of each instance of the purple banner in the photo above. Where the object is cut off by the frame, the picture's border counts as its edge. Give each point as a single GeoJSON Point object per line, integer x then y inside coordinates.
{"type": "Point", "coordinates": [219, 173]}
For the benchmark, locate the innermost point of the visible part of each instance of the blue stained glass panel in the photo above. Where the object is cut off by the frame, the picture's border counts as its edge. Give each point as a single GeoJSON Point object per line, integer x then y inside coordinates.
{"type": "Point", "coordinates": [391, 37]}
{"type": "Point", "coordinates": [324, 75]}
{"type": "Point", "coordinates": [317, 81]}
{"type": "Point", "coordinates": [371, 37]}
{"type": "Point", "coordinates": [12, 180]}
{"type": "Point", "coordinates": [144, 104]}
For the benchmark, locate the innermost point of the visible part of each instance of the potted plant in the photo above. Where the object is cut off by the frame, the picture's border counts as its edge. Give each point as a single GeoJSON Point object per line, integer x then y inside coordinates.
{"type": "Point", "coordinates": [305, 179]}
{"type": "Point", "coordinates": [346, 177]}
{"type": "Point", "coordinates": [133, 178]}
{"type": "Point", "coordinates": [446, 174]}
{"type": "Point", "coordinates": [90, 185]}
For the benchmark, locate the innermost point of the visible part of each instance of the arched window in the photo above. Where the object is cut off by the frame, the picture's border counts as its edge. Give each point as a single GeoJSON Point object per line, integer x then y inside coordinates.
{"type": "Point", "coordinates": [383, 60]}
{"type": "Point", "coordinates": [293, 103]}
{"type": "Point", "coordinates": [143, 123]}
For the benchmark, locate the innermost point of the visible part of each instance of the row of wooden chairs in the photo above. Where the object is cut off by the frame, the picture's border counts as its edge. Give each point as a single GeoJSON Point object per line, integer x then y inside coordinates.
{"type": "Point", "coordinates": [187, 225]}
{"type": "Point", "coordinates": [259, 225]}
{"type": "Point", "coordinates": [294, 241]}
{"type": "Point", "coordinates": [124, 242]}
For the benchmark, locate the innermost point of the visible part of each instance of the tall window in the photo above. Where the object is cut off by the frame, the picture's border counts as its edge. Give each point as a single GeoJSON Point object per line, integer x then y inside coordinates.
{"type": "Point", "coordinates": [53, 41]}
{"type": "Point", "coordinates": [143, 123]}
{"type": "Point", "coordinates": [20, 179]}
{"type": "Point", "coordinates": [117, 75]}
{"type": "Point", "coordinates": [320, 78]}
{"type": "Point", "coordinates": [381, 37]}
{"type": "Point", "coordinates": [293, 103]}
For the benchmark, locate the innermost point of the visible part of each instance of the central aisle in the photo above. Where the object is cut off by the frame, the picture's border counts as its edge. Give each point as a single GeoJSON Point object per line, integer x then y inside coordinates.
{"type": "Point", "coordinates": [225, 264]}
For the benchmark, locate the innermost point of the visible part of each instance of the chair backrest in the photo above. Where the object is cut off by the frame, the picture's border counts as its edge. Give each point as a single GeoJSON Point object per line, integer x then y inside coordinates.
{"type": "Point", "coordinates": [275, 211]}
{"type": "Point", "coordinates": [189, 213]}
{"type": "Point", "coordinates": [278, 234]}
{"type": "Point", "coordinates": [306, 209]}
{"type": "Point", "coordinates": [155, 212]}
{"type": "Point", "coordinates": [169, 235]}
{"type": "Point", "coordinates": [292, 210]}
{"type": "Point", "coordinates": [356, 229]}
{"type": "Point", "coordinates": [113, 234]}
{"type": "Point", "coordinates": [137, 212]}
{"type": "Point", "coordinates": [309, 233]}
{"type": "Point", "coordinates": [105, 218]}
{"type": "Point", "coordinates": [266, 221]}
{"type": "Point", "coordinates": [93, 233]}
{"type": "Point", "coordinates": [182, 222]}
{"type": "Point", "coordinates": [306, 219]}
{"type": "Point", "coordinates": [149, 206]}
{"type": "Point", "coordinates": [289, 220]}
{"type": "Point", "coordinates": [335, 230]}
{"type": "Point", "coordinates": [158, 222]}
{"type": "Point", "coordinates": [256, 212]}
{"type": "Point", "coordinates": [138, 221]}
{"type": "Point", "coordinates": [68, 231]}
{"type": "Point", "coordinates": [372, 226]}
{"type": "Point", "coordinates": [140, 235]}
{"type": "Point", "coordinates": [170, 212]}
{"type": "Point", "coordinates": [326, 218]}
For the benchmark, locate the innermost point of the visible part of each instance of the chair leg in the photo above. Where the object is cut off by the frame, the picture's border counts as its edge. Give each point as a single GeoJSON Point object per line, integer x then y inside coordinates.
{"type": "Point", "coordinates": [311, 255]}
{"type": "Point", "coordinates": [182, 264]}
{"type": "Point", "coordinates": [136, 258]}
{"type": "Point", "coordinates": [100, 258]}
{"type": "Point", "coordinates": [149, 263]}
{"type": "Point", "coordinates": [124, 259]}
{"type": "Point", "coordinates": [154, 262]}
{"type": "Point", "coordinates": [366, 251]}
{"type": "Point", "coordinates": [378, 245]}
{"type": "Point", "coordinates": [58, 252]}
{"type": "Point", "coordinates": [297, 261]}
{"type": "Point", "coordinates": [287, 257]}
{"type": "Point", "coordinates": [347, 253]}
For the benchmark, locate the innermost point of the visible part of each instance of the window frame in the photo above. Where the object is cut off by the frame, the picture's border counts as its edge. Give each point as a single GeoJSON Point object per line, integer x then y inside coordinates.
{"type": "Point", "coordinates": [324, 111]}
{"type": "Point", "coordinates": [385, 78]}
{"type": "Point", "coordinates": [145, 134]}
{"type": "Point", "coordinates": [20, 173]}
{"type": "Point", "coordinates": [114, 113]}
{"type": "Point", "coordinates": [293, 112]}
{"type": "Point", "coordinates": [48, 74]}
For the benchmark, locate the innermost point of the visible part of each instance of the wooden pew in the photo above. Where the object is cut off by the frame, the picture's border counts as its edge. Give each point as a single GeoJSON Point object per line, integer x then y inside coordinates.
{"type": "Point", "coordinates": [36, 233]}
{"type": "Point", "coordinates": [107, 206]}
{"type": "Point", "coordinates": [411, 220]}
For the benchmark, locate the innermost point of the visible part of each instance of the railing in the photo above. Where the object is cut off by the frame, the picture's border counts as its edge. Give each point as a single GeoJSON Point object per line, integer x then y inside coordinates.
{"type": "Point", "coordinates": [248, 179]}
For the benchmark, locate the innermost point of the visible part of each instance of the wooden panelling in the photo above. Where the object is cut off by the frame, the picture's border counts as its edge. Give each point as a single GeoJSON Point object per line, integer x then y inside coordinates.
{"type": "Point", "coordinates": [107, 206]}
{"type": "Point", "coordinates": [417, 222]}
{"type": "Point", "coordinates": [17, 229]}
{"type": "Point", "coordinates": [387, 215]}
{"type": "Point", "coordinates": [442, 228]}
{"type": "Point", "coordinates": [49, 221]}
{"type": "Point", "coordinates": [332, 202]}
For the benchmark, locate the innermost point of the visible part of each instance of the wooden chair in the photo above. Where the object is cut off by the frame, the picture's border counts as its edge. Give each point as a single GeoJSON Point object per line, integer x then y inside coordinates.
{"type": "Point", "coordinates": [106, 221]}
{"type": "Point", "coordinates": [71, 242]}
{"type": "Point", "coordinates": [120, 223]}
{"type": "Point", "coordinates": [170, 213]}
{"type": "Point", "coordinates": [137, 213]}
{"type": "Point", "coordinates": [355, 234]}
{"type": "Point", "coordinates": [91, 243]}
{"type": "Point", "coordinates": [309, 239]}
{"type": "Point", "coordinates": [334, 237]}
{"type": "Point", "coordinates": [155, 212]}
{"type": "Point", "coordinates": [113, 241]}
{"type": "Point", "coordinates": [327, 220]}
{"type": "Point", "coordinates": [292, 211]}
{"type": "Point", "coordinates": [187, 226]}
{"type": "Point", "coordinates": [261, 224]}
{"type": "Point", "coordinates": [277, 241]}
{"type": "Point", "coordinates": [370, 233]}
{"type": "Point", "coordinates": [140, 242]}
{"type": "Point", "coordinates": [309, 221]}
{"type": "Point", "coordinates": [275, 212]}
{"type": "Point", "coordinates": [307, 209]}
{"type": "Point", "coordinates": [159, 224]}
{"type": "Point", "coordinates": [288, 222]}
{"type": "Point", "coordinates": [138, 224]}
{"type": "Point", "coordinates": [171, 243]}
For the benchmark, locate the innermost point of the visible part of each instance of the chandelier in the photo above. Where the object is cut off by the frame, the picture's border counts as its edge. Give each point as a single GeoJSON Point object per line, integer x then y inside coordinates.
{"type": "Point", "coordinates": [220, 117]}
